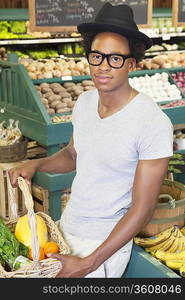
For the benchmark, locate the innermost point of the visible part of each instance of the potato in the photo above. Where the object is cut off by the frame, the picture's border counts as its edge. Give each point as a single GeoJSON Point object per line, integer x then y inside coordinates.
{"type": "Point", "coordinates": [60, 105]}
{"type": "Point", "coordinates": [65, 95]}
{"type": "Point", "coordinates": [45, 90]}
{"type": "Point", "coordinates": [54, 103]}
{"type": "Point", "coordinates": [77, 92]}
{"type": "Point", "coordinates": [50, 110]}
{"type": "Point", "coordinates": [88, 88]}
{"type": "Point", "coordinates": [54, 98]}
{"type": "Point", "coordinates": [44, 101]}
{"type": "Point", "coordinates": [68, 84]}
{"type": "Point", "coordinates": [61, 110]}
{"type": "Point", "coordinates": [87, 82]}
{"type": "Point", "coordinates": [71, 104]}
{"type": "Point", "coordinates": [58, 90]}
{"type": "Point", "coordinates": [44, 84]}
{"type": "Point", "coordinates": [66, 100]}
{"type": "Point", "coordinates": [47, 95]}
{"type": "Point", "coordinates": [55, 85]}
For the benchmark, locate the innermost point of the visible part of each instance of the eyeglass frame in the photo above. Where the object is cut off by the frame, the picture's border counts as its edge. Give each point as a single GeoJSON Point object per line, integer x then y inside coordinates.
{"type": "Point", "coordinates": [107, 57]}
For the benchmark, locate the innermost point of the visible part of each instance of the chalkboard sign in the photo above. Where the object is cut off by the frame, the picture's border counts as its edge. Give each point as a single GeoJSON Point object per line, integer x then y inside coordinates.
{"type": "Point", "coordinates": [65, 15]}
{"type": "Point", "coordinates": [178, 12]}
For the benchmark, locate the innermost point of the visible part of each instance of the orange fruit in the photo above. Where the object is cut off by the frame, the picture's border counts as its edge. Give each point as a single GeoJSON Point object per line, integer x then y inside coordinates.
{"type": "Point", "coordinates": [51, 247]}
{"type": "Point", "coordinates": [41, 256]}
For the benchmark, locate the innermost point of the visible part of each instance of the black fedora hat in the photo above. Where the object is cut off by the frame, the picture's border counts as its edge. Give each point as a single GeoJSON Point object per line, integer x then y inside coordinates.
{"type": "Point", "coordinates": [118, 19]}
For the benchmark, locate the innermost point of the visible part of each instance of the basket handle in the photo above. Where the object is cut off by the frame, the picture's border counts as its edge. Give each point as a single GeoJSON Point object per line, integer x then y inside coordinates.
{"type": "Point", "coordinates": [23, 185]}
{"type": "Point", "coordinates": [13, 211]}
{"type": "Point", "coordinates": [171, 200]}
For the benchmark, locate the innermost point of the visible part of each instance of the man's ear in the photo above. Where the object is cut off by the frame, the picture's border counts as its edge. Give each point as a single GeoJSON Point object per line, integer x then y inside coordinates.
{"type": "Point", "coordinates": [132, 64]}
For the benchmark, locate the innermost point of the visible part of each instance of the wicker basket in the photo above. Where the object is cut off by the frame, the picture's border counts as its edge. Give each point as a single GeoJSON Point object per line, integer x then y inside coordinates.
{"type": "Point", "coordinates": [14, 152]}
{"type": "Point", "coordinates": [170, 209]}
{"type": "Point", "coordinates": [46, 268]}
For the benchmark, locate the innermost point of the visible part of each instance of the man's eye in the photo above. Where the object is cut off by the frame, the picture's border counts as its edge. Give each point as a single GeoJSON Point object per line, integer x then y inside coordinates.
{"type": "Point", "coordinates": [97, 56]}
{"type": "Point", "coordinates": [115, 58]}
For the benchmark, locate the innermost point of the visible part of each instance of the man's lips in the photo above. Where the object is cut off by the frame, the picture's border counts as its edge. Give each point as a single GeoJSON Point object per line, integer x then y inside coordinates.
{"type": "Point", "coordinates": [102, 78]}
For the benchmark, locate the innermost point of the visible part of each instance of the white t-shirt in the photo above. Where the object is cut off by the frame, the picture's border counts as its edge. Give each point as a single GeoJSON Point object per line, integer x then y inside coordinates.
{"type": "Point", "coordinates": [108, 151]}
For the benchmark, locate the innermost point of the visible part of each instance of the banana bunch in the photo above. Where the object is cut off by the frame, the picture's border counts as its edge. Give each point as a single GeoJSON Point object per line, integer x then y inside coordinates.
{"type": "Point", "coordinates": [168, 246]}
{"type": "Point", "coordinates": [164, 240]}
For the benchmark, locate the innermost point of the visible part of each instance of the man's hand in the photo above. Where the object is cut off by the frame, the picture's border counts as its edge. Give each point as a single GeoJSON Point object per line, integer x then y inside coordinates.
{"type": "Point", "coordinates": [72, 266]}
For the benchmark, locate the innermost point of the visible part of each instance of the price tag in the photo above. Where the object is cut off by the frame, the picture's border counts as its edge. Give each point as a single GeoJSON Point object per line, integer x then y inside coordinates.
{"type": "Point", "coordinates": [67, 78]}
{"type": "Point", "coordinates": [166, 37]}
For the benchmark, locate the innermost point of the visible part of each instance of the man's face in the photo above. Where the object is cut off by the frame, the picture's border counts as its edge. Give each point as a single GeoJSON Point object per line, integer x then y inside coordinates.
{"type": "Point", "coordinates": [105, 77]}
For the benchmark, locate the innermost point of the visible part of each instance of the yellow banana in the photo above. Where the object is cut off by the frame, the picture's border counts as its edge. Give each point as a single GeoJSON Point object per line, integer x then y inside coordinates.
{"type": "Point", "coordinates": [178, 233]}
{"type": "Point", "coordinates": [158, 246]}
{"type": "Point", "coordinates": [180, 244]}
{"type": "Point", "coordinates": [173, 246]}
{"type": "Point", "coordinates": [164, 255]}
{"type": "Point", "coordinates": [174, 264]}
{"type": "Point", "coordinates": [156, 239]}
{"type": "Point", "coordinates": [182, 270]}
{"type": "Point", "coordinates": [168, 243]}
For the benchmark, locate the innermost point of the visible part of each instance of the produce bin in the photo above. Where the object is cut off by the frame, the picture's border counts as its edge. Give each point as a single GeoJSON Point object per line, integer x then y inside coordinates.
{"type": "Point", "coordinates": [19, 100]}
{"type": "Point", "coordinates": [143, 265]}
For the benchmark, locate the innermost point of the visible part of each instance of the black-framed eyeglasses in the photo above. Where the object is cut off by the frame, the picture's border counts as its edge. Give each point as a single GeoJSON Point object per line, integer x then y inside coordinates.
{"type": "Point", "coordinates": [116, 61]}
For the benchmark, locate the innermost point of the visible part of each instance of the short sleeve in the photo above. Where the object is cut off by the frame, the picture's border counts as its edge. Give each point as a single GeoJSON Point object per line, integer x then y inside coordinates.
{"type": "Point", "coordinates": [156, 140]}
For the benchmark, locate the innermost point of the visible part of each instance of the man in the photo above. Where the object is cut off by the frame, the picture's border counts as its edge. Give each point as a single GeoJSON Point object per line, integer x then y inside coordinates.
{"type": "Point", "coordinates": [121, 145]}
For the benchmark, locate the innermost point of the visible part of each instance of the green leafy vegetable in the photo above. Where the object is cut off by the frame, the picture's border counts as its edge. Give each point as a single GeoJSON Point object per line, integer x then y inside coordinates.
{"type": "Point", "coordinates": [18, 26]}
{"type": "Point", "coordinates": [10, 247]}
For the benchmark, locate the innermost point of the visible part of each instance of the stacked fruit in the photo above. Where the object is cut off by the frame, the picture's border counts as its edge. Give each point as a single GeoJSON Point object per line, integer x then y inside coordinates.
{"type": "Point", "coordinates": [168, 246]}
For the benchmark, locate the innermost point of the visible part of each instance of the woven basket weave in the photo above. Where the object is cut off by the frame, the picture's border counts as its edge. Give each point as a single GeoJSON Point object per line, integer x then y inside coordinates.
{"type": "Point", "coordinates": [46, 268]}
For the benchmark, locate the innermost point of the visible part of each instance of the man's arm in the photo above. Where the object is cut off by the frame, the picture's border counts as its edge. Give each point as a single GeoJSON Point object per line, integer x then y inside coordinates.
{"type": "Point", "coordinates": [61, 162]}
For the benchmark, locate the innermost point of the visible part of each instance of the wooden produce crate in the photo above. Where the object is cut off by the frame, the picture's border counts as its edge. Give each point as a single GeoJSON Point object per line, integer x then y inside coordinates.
{"type": "Point", "coordinates": [41, 200]}
{"type": "Point", "coordinates": [5, 212]}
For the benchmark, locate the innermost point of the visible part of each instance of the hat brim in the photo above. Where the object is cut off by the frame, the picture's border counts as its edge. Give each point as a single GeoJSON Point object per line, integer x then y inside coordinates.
{"type": "Point", "coordinates": [127, 32]}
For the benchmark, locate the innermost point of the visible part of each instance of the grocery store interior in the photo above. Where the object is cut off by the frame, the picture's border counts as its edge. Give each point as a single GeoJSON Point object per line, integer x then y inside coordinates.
{"type": "Point", "coordinates": [43, 70]}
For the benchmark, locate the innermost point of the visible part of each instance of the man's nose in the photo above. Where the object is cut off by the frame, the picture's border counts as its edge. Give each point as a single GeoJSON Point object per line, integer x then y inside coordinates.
{"type": "Point", "coordinates": [105, 64]}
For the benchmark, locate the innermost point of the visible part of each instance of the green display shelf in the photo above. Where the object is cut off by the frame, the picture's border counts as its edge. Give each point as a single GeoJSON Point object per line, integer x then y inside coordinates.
{"type": "Point", "coordinates": [13, 14]}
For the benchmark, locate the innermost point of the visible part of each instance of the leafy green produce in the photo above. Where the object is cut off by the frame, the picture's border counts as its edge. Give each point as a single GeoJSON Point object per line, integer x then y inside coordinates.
{"type": "Point", "coordinates": [7, 35]}
{"type": "Point", "coordinates": [40, 54]}
{"type": "Point", "coordinates": [4, 26]}
{"type": "Point", "coordinates": [18, 26]}
{"type": "Point", "coordinates": [10, 247]}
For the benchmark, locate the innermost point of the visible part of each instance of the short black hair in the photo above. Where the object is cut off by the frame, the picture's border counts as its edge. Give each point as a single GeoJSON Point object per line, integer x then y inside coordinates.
{"type": "Point", "coordinates": [137, 48]}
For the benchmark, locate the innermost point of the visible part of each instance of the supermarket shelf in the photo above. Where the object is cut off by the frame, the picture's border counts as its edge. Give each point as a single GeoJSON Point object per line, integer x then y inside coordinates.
{"type": "Point", "coordinates": [40, 41]}
{"type": "Point", "coordinates": [153, 53]}
{"type": "Point", "coordinates": [167, 36]}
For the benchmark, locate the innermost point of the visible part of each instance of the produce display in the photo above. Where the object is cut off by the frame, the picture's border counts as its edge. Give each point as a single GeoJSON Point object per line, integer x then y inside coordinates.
{"type": "Point", "coordinates": [173, 104]}
{"type": "Point", "coordinates": [157, 86]}
{"type": "Point", "coordinates": [60, 98]}
{"type": "Point", "coordinates": [164, 25]}
{"type": "Point", "coordinates": [162, 47]}
{"type": "Point", "coordinates": [179, 78]}
{"type": "Point", "coordinates": [54, 68]}
{"type": "Point", "coordinates": [162, 61]}
{"type": "Point", "coordinates": [168, 246]}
